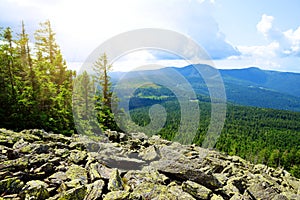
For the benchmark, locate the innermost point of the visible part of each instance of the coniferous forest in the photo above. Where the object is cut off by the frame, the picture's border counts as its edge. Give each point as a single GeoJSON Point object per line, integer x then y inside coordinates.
{"type": "Point", "coordinates": [35, 84]}
{"type": "Point", "coordinates": [36, 92]}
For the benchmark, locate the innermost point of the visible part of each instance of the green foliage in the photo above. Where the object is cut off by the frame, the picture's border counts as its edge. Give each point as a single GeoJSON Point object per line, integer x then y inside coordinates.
{"type": "Point", "coordinates": [35, 93]}
{"type": "Point", "coordinates": [261, 135]}
{"type": "Point", "coordinates": [106, 102]}
{"type": "Point", "coordinates": [93, 100]}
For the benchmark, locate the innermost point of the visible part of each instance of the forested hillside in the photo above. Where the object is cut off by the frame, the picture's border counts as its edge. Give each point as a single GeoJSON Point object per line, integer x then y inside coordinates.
{"type": "Point", "coordinates": [260, 135]}
{"type": "Point", "coordinates": [249, 86]}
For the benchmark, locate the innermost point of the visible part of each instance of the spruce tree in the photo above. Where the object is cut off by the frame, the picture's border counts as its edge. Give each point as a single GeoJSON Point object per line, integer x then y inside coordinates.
{"type": "Point", "coordinates": [104, 96]}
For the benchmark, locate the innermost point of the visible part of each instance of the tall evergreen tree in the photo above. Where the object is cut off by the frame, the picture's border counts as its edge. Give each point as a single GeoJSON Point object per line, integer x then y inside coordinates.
{"type": "Point", "coordinates": [9, 52]}
{"type": "Point", "coordinates": [84, 105]}
{"type": "Point", "coordinates": [55, 81]}
{"type": "Point", "coordinates": [45, 42]}
{"type": "Point", "coordinates": [104, 97]}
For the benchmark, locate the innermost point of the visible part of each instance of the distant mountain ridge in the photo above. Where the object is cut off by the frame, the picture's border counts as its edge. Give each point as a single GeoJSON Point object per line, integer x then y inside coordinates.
{"type": "Point", "coordinates": [284, 82]}
{"type": "Point", "coordinates": [249, 86]}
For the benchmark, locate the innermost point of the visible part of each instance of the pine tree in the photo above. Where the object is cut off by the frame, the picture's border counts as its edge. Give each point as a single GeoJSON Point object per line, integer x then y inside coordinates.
{"type": "Point", "coordinates": [5, 84]}
{"type": "Point", "coordinates": [83, 95]}
{"type": "Point", "coordinates": [104, 97]}
{"type": "Point", "coordinates": [45, 42]}
{"type": "Point", "coordinates": [9, 51]}
{"type": "Point", "coordinates": [84, 105]}
{"type": "Point", "coordinates": [54, 81]}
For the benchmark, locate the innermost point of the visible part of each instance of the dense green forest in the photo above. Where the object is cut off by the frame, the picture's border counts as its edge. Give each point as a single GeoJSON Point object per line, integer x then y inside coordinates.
{"type": "Point", "coordinates": [35, 84]}
{"type": "Point", "coordinates": [36, 92]}
{"type": "Point", "coordinates": [36, 88]}
{"type": "Point", "coordinates": [260, 135]}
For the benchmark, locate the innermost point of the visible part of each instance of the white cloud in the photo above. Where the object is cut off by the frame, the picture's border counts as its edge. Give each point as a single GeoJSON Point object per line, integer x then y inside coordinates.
{"type": "Point", "coordinates": [268, 51]}
{"type": "Point", "coordinates": [282, 51]}
{"type": "Point", "coordinates": [288, 42]}
{"type": "Point", "coordinates": [294, 38]}
{"type": "Point", "coordinates": [265, 24]}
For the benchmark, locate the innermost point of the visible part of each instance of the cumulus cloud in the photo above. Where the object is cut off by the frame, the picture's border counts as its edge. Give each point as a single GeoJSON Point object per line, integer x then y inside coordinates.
{"type": "Point", "coordinates": [288, 42]}
{"type": "Point", "coordinates": [265, 24]}
{"type": "Point", "coordinates": [282, 51]}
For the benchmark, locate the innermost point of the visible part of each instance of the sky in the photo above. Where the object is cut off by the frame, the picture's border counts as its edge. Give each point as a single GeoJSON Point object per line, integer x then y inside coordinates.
{"type": "Point", "coordinates": [235, 34]}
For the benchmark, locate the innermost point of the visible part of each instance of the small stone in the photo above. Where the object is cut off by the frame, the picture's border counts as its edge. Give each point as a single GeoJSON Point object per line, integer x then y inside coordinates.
{"type": "Point", "coordinates": [18, 164]}
{"type": "Point", "coordinates": [36, 190]}
{"type": "Point", "coordinates": [77, 172]}
{"type": "Point", "coordinates": [93, 147]}
{"type": "Point", "coordinates": [93, 171]}
{"type": "Point", "coordinates": [104, 171]}
{"type": "Point", "coordinates": [39, 159]}
{"type": "Point", "coordinates": [115, 182]}
{"type": "Point", "coordinates": [113, 136]}
{"type": "Point", "coordinates": [4, 175]}
{"type": "Point", "coordinates": [149, 153]}
{"type": "Point", "coordinates": [57, 138]}
{"type": "Point", "coordinates": [77, 145]}
{"type": "Point", "coordinates": [196, 190]}
{"type": "Point", "coordinates": [261, 190]}
{"type": "Point", "coordinates": [77, 156]}
{"type": "Point", "coordinates": [47, 168]}
{"type": "Point", "coordinates": [62, 152]}
{"type": "Point", "coordinates": [236, 197]}
{"type": "Point", "coordinates": [35, 148]}
{"type": "Point", "coordinates": [230, 189]}
{"type": "Point", "coordinates": [75, 193]}
{"type": "Point", "coordinates": [11, 185]}
{"type": "Point", "coordinates": [117, 195]}
{"type": "Point", "coordinates": [280, 197]}
{"type": "Point", "coordinates": [20, 144]}
{"type": "Point", "coordinates": [133, 177]}
{"type": "Point", "coordinates": [216, 197]}
{"type": "Point", "coordinates": [74, 183]}
{"type": "Point", "coordinates": [178, 193]}
{"type": "Point", "coordinates": [94, 190]}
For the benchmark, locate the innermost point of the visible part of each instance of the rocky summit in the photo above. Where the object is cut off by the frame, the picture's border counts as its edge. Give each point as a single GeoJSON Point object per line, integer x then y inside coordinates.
{"type": "Point", "coordinates": [35, 164]}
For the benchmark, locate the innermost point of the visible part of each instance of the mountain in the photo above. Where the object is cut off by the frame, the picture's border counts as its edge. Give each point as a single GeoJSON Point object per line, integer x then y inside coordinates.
{"type": "Point", "coordinates": [40, 165]}
{"type": "Point", "coordinates": [250, 86]}
{"type": "Point", "coordinates": [283, 82]}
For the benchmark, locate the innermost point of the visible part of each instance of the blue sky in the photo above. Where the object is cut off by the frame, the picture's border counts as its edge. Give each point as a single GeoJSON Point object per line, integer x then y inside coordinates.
{"type": "Point", "coordinates": [236, 34]}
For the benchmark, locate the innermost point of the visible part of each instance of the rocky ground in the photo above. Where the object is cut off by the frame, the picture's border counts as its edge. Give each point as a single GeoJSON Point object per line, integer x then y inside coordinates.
{"type": "Point", "coordinates": [39, 165]}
